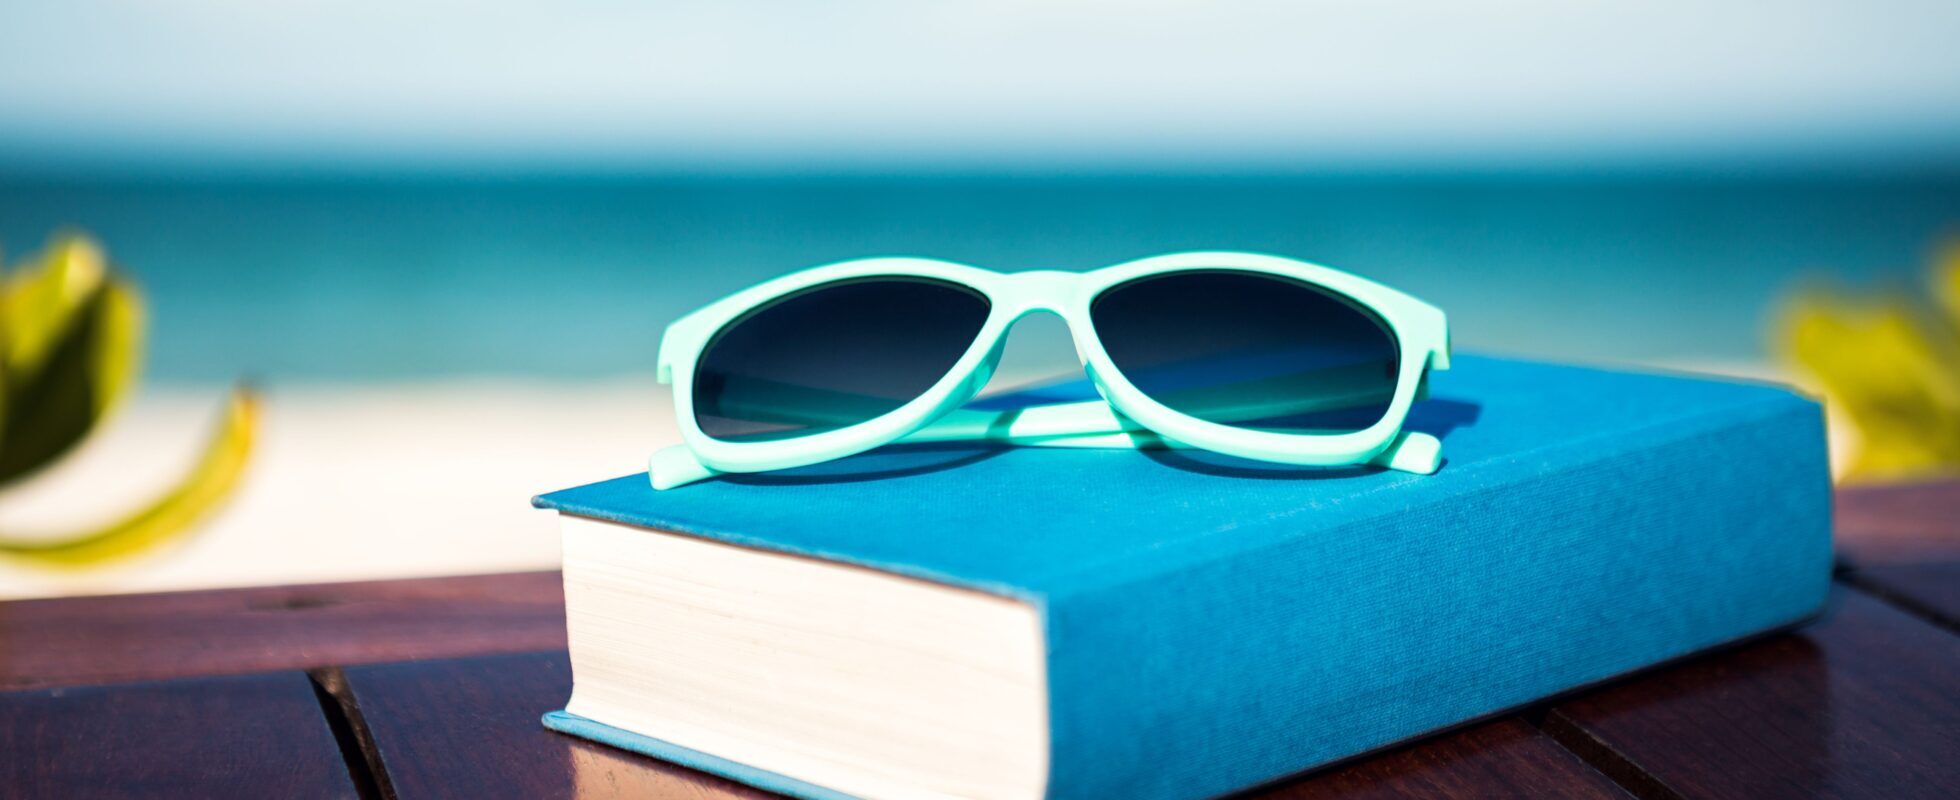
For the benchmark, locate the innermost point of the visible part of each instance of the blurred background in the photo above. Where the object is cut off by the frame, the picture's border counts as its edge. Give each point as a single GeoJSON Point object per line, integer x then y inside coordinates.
{"type": "Point", "coordinates": [441, 238]}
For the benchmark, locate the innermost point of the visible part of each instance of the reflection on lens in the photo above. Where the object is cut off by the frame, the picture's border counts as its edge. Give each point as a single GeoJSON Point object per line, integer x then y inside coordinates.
{"type": "Point", "coordinates": [833, 356]}
{"type": "Point", "coordinates": [1251, 350]}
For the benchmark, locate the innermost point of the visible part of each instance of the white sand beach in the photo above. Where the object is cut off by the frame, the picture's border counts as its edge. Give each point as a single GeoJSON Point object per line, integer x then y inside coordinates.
{"type": "Point", "coordinates": [362, 481]}
{"type": "Point", "coordinates": [347, 483]}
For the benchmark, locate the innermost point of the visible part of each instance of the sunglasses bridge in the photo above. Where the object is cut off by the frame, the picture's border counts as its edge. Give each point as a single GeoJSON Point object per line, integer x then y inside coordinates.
{"type": "Point", "coordinates": [1036, 290]}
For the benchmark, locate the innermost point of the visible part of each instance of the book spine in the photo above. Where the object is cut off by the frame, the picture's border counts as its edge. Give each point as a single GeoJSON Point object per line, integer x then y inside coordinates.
{"type": "Point", "coordinates": [1531, 576]}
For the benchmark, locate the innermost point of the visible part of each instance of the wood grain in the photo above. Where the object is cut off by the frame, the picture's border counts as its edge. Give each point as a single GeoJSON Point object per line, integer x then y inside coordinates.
{"type": "Point", "coordinates": [91, 640]}
{"type": "Point", "coordinates": [1903, 542]}
{"type": "Point", "coordinates": [244, 736]}
{"type": "Point", "coordinates": [469, 728]}
{"type": "Point", "coordinates": [1506, 758]}
{"type": "Point", "coordinates": [1861, 705]}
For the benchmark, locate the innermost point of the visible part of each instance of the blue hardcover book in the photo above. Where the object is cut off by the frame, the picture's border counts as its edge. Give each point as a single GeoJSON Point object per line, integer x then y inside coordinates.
{"type": "Point", "coordinates": [1019, 622]}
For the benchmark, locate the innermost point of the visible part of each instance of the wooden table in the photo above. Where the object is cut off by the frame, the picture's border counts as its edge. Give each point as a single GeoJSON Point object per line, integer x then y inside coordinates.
{"type": "Point", "coordinates": [432, 688]}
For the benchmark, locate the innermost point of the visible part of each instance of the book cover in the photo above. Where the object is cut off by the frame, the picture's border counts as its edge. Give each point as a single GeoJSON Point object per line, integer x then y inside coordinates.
{"type": "Point", "coordinates": [1212, 624]}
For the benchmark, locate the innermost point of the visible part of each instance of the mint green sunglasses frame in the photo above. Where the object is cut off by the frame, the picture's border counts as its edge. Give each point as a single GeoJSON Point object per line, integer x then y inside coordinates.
{"type": "Point", "coordinates": [1125, 418]}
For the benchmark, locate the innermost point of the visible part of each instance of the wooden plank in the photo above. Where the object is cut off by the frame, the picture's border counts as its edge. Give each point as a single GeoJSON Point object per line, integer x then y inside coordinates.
{"type": "Point", "coordinates": [91, 640]}
{"type": "Point", "coordinates": [1884, 532]}
{"type": "Point", "coordinates": [1859, 705]}
{"type": "Point", "coordinates": [469, 728]}
{"type": "Point", "coordinates": [1903, 542]}
{"type": "Point", "coordinates": [1841, 709]}
{"type": "Point", "coordinates": [1506, 758]}
{"type": "Point", "coordinates": [241, 736]}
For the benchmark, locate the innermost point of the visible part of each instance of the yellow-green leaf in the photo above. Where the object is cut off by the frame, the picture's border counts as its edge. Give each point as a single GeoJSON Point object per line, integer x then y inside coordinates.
{"type": "Point", "coordinates": [169, 517]}
{"type": "Point", "coordinates": [118, 356]}
{"type": "Point", "coordinates": [1889, 369]}
{"type": "Point", "coordinates": [74, 341]}
{"type": "Point", "coordinates": [39, 302]}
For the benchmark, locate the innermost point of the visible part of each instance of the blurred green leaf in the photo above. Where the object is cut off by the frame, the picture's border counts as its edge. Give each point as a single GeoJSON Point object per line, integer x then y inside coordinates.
{"type": "Point", "coordinates": [73, 336]}
{"type": "Point", "coordinates": [71, 344]}
{"type": "Point", "coordinates": [169, 516]}
{"type": "Point", "coordinates": [1889, 369]}
{"type": "Point", "coordinates": [39, 300]}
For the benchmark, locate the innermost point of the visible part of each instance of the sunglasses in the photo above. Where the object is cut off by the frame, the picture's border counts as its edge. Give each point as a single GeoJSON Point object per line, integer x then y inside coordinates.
{"type": "Point", "coordinates": [1249, 355]}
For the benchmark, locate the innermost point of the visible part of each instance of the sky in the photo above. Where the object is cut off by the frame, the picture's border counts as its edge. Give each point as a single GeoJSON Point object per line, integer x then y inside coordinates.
{"type": "Point", "coordinates": [877, 82]}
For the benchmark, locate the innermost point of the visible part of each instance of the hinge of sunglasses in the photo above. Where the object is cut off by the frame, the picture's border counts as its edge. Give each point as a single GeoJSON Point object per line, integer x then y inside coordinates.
{"type": "Point", "coordinates": [676, 466]}
{"type": "Point", "coordinates": [1412, 451]}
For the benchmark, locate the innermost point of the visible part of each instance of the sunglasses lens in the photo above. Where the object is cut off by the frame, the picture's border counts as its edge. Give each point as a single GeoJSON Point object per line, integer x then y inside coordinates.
{"type": "Point", "coordinates": [1251, 350]}
{"type": "Point", "coordinates": [832, 356]}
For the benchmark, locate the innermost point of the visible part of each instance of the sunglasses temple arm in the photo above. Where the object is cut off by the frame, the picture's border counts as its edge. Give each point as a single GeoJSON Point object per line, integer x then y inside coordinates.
{"type": "Point", "coordinates": [776, 401]}
{"type": "Point", "coordinates": [1412, 451]}
{"type": "Point", "coordinates": [1088, 423]}
{"type": "Point", "coordinates": [1025, 425]}
{"type": "Point", "coordinates": [1092, 423]}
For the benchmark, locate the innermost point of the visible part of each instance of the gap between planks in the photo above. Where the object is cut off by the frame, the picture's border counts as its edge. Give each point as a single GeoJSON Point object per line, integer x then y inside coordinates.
{"type": "Point", "coordinates": [1642, 784]}
{"type": "Point", "coordinates": [1851, 578]}
{"type": "Point", "coordinates": [1600, 756]}
{"type": "Point", "coordinates": [364, 765]}
{"type": "Point", "coordinates": [350, 731]}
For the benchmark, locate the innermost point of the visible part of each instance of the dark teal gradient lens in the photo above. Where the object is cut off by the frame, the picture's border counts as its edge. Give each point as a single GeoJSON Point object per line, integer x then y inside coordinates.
{"type": "Point", "coordinates": [1251, 350]}
{"type": "Point", "coordinates": [833, 356]}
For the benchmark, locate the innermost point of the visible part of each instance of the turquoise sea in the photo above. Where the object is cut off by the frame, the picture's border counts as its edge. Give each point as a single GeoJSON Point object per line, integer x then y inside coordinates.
{"type": "Point", "coordinates": [374, 278]}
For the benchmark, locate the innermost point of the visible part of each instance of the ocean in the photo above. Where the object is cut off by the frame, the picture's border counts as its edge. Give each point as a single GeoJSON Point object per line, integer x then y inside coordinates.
{"type": "Point", "coordinates": [378, 279]}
